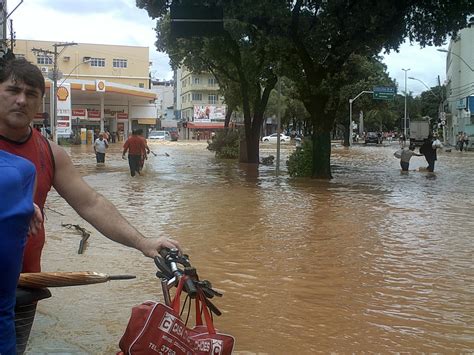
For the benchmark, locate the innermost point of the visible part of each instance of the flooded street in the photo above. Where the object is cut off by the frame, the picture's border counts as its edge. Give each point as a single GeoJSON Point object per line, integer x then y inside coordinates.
{"type": "Point", "coordinates": [371, 261]}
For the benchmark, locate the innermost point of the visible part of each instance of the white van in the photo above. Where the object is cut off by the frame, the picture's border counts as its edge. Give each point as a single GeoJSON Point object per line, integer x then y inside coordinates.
{"type": "Point", "coordinates": [159, 135]}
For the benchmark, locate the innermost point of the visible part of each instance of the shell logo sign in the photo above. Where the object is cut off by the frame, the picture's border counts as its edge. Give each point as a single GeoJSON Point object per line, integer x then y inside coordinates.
{"type": "Point", "coordinates": [100, 85]}
{"type": "Point", "coordinates": [62, 93]}
{"type": "Point", "coordinates": [63, 110]}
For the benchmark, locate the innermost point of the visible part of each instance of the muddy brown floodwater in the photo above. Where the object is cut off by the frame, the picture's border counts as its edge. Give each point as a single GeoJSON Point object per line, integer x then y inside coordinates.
{"type": "Point", "coordinates": [371, 261]}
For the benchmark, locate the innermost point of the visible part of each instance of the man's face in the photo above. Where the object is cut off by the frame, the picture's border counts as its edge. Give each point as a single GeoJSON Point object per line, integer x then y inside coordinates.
{"type": "Point", "coordinates": [19, 103]}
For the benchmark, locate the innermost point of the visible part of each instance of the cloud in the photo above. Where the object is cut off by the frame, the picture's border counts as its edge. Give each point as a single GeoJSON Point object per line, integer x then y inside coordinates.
{"type": "Point", "coordinates": [117, 22]}
{"type": "Point", "coordinates": [120, 22]}
{"type": "Point", "coordinates": [425, 64]}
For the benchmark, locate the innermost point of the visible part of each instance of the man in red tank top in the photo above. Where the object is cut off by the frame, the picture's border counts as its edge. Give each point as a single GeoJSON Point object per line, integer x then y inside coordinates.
{"type": "Point", "coordinates": [21, 91]}
{"type": "Point", "coordinates": [136, 148]}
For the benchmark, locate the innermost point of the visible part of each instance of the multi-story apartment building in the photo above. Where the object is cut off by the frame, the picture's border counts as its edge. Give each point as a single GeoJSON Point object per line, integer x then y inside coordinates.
{"type": "Point", "coordinates": [460, 84]}
{"type": "Point", "coordinates": [199, 103]}
{"type": "Point", "coordinates": [109, 85]}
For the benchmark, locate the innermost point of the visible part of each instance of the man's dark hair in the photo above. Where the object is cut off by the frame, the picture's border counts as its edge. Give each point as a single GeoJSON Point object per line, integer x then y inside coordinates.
{"type": "Point", "coordinates": [21, 70]}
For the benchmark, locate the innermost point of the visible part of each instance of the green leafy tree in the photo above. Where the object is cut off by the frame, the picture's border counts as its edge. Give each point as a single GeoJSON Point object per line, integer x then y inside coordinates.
{"type": "Point", "coordinates": [310, 42]}
{"type": "Point", "coordinates": [323, 35]}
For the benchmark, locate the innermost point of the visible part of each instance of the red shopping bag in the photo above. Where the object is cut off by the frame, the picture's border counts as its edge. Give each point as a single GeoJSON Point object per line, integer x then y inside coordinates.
{"type": "Point", "coordinates": [155, 328]}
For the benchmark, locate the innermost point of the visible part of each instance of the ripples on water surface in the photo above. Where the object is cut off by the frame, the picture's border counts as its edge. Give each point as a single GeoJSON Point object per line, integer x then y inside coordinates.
{"type": "Point", "coordinates": [371, 261]}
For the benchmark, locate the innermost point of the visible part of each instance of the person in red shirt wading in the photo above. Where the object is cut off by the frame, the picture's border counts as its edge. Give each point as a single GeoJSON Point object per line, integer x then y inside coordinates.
{"type": "Point", "coordinates": [135, 145]}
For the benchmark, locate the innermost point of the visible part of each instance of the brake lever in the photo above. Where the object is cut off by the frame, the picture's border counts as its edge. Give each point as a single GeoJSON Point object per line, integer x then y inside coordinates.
{"type": "Point", "coordinates": [206, 286]}
{"type": "Point", "coordinates": [212, 307]}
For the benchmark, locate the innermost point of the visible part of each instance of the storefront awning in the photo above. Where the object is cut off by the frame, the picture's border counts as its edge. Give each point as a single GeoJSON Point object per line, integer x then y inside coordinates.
{"type": "Point", "coordinates": [206, 125]}
{"type": "Point", "coordinates": [147, 121]}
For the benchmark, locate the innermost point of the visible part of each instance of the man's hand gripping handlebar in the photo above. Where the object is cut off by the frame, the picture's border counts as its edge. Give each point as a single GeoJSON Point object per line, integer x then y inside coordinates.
{"type": "Point", "coordinates": [172, 267]}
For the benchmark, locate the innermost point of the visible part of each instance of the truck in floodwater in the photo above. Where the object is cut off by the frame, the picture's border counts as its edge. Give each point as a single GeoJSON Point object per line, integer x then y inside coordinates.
{"type": "Point", "coordinates": [419, 131]}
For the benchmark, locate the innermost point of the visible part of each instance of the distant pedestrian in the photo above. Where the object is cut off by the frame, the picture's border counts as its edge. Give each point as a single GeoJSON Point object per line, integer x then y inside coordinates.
{"type": "Point", "coordinates": [405, 156]}
{"type": "Point", "coordinates": [100, 146]}
{"type": "Point", "coordinates": [465, 139]}
{"type": "Point", "coordinates": [402, 140]}
{"type": "Point", "coordinates": [460, 141]}
{"type": "Point", "coordinates": [429, 150]}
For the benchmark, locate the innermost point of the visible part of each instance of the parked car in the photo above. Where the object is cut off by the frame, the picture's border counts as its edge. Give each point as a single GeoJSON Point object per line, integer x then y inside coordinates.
{"type": "Point", "coordinates": [272, 138]}
{"type": "Point", "coordinates": [159, 135]}
{"type": "Point", "coordinates": [373, 137]}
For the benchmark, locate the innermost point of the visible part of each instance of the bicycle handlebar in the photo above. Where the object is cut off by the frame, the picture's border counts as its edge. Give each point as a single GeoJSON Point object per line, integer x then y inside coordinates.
{"type": "Point", "coordinates": [170, 273]}
{"type": "Point", "coordinates": [169, 270]}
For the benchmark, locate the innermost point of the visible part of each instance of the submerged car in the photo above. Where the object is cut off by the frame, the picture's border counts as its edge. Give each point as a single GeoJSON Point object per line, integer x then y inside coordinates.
{"type": "Point", "coordinates": [373, 137]}
{"type": "Point", "coordinates": [159, 135]}
{"type": "Point", "coordinates": [272, 138]}
{"type": "Point", "coordinates": [174, 136]}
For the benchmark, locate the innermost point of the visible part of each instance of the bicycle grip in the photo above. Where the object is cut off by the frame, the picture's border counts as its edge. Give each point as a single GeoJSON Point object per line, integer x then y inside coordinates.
{"type": "Point", "coordinates": [189, 286]}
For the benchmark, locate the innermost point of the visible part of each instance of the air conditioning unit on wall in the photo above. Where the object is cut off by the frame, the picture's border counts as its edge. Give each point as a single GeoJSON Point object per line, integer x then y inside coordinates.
{"type": "Point", "coordinates": [44, 69]}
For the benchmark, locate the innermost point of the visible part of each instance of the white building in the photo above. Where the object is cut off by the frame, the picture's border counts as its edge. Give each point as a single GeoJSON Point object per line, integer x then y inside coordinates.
{"type": "Point", "coordinates": [460, 85]}
{"type": "Point", "coordinates": [165, 102]}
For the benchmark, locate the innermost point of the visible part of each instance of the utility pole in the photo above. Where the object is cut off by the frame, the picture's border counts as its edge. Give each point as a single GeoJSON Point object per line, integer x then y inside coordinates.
{"type": "Point", "coordinates": [55, 77]}
{"type": "Point", "coordinates": [4, 15]}
{"type": "Point", "coordinates": [3, 27]}
{"type": "Point", "coordinates": [277, 170]}
{"type": "Point", "coordinates": [441, 113]}
{"type": "Point", "coordinates": [405, 116]}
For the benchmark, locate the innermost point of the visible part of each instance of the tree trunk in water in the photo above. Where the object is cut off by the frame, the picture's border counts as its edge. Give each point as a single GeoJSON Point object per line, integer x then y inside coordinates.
{"type": "Point", "coordinates": [321, 155]}
{"type": "Point", "coordinates": [346, 137]}
{"type": "Point", "coordinates": [252, 145]}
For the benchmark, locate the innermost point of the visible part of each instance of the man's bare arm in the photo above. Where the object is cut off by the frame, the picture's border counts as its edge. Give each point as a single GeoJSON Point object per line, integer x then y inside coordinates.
{"type": "Point", "coordinates": [99, 211]}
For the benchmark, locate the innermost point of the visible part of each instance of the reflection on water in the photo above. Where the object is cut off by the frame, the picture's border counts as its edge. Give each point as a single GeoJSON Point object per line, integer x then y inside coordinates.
{"type": "Point", "coordinates": [371, 261]}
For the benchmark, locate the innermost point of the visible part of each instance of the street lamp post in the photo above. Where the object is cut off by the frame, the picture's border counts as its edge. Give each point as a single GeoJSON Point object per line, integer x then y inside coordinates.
{"type": "Point", "coordinates": [72, 70]}
{"type": "Point", "coordinates": [351, 101]}
{"type": "Point", "coordinates": [456, 55]}
{"type": "Point", "coordinates": [405, 116]}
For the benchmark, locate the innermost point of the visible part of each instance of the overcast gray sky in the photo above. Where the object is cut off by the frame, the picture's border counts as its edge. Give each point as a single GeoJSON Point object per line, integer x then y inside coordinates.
{"type": "Point", "coordinates": [121, 22]}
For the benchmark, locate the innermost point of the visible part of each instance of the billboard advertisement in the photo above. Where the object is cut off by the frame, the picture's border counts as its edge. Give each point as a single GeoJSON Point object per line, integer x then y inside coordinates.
{"type": "Point", "coordinates": [208, 113]}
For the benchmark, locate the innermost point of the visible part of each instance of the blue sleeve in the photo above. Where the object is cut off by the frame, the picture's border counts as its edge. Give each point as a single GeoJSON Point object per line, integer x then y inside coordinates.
{"type": "Point", "coordinates": [17, 179]}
